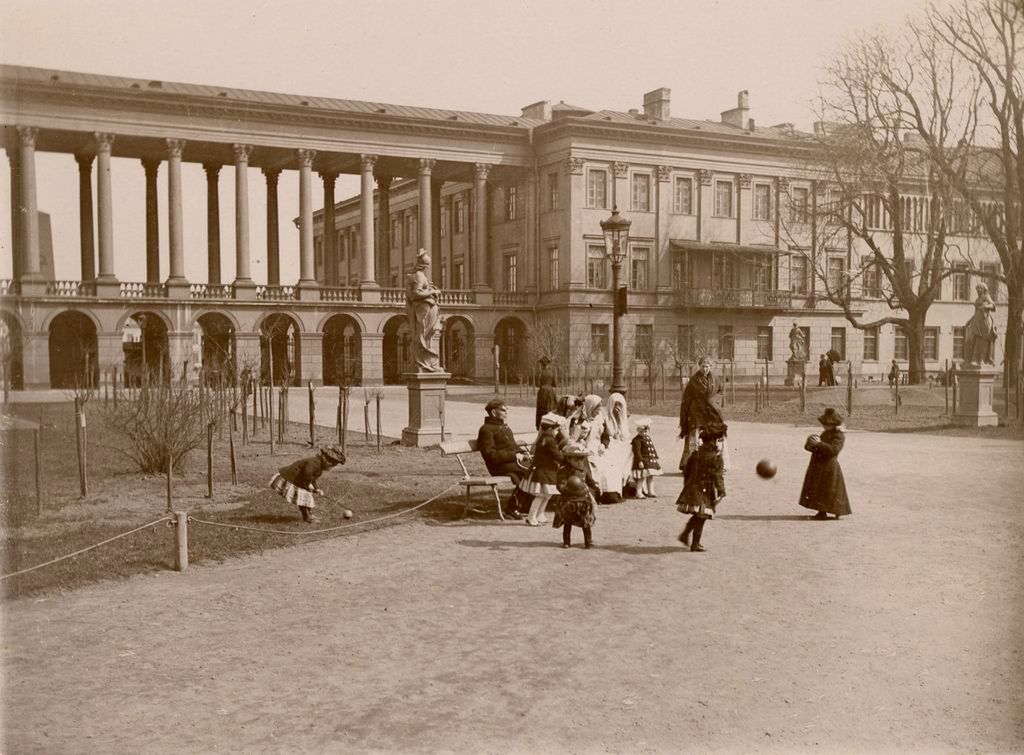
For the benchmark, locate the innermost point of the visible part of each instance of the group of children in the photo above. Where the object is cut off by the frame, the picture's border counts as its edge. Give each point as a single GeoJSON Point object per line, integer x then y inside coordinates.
{"type": "Point", "coordinates": [560, 468]}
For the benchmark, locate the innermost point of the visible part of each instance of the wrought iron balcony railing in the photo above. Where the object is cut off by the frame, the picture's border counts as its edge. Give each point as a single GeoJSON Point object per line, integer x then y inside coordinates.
{"type": "Point", "coordinates": [729, 298]}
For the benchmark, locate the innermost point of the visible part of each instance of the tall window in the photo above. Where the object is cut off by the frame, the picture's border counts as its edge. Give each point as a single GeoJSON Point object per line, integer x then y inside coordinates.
{"type": "Point", "coordinates": [639, 265]}
{"type": "Point", "coordinates": [396, 232]}
{"type": "Point", "coordinates": [871, 279]}
{"type": "Point", "coordinates": [991, 270]}
{"type": "Point", "coordinates": [682, 196]}
{"type": "Point", "coordinates": [643, 347]}
{"type": "Point", "coordinates": [444, 276]}
{"type": "Point", "coordinates": [460, 215]}
{"type": "Point", "coordinates": [836, 274]}
{"type": "Point", "coordinates": [511, 200]}
{"type": "Point", "coordinates": [682, 271]}
{"type": "Point", "coordinates": [961, 283]}
{"type": "Point", "coordinates": [799, 204]}
{"type": "Point", "coordinates": [553, 191]}
{"type": "Point", "coordinates": [410, 228]}
{"type": "Point", "coordinates": [553, 267]}
{"type": "Point", "coordinates": [641, 192]}
{"type": "Point", "coordinates": [510, 272]}
{"type": "Point", "coordinates": [839, 342]}
{"type": "Point", "coordinates": [762, 202]}
{"type": "Point", "coordinates": [596, 267]}
{"type": "Point", "coordinates": [798, 281]}
{"type": "Point", "coordinates": [899, 345]}
{"type": "Point", "coordinates": [764, 342]}
{"type": "Point", "coordinates": [958, 341]}
{"type": "Point", "coordinates": [762, 276]}
{"type": "Point", "coordinates": [726, 342]}
{"type": "Point", "coordinates": [931, 343]}
{"type": "Point", "coordinates": [599, 342]}
{"type": "Point", "coordinates": [723, 199]}
{"type": "Point", "coordinates": [871, 345]}
{"type": "Point", "coordinates": [685, 343]}
{"type": "Point", "coordinates": [444, 220]}
{"type": "Point", "coordinates": [597, 188]}
{"type": "Point", "coordinates": [459, 276]}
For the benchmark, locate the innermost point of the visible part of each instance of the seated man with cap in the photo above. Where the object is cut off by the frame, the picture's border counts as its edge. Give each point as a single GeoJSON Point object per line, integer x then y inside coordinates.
{"type": "Point", "coordinates": [497, 445]}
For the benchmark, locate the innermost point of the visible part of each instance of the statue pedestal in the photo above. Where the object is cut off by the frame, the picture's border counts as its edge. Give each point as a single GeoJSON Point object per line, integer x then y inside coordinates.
{"type": "Point", "coordinates": [427, 391]}
{"type": "Point", "coordinates": [974, 408]}
{"type": "Point", "coordinates": [794, 370]}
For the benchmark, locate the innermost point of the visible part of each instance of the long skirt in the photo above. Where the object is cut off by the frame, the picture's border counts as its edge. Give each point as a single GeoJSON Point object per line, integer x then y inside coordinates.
{"type": "Point", "coordinates": [579, 512]}
{"type": "Point", "coordinates": [692, 442]}
{"type": "Point", "coordinates": [291, 493]}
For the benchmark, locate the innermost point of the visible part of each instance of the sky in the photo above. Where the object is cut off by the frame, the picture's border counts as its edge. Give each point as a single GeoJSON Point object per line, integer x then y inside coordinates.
{"type": "Point", "coordinates": [482, 55]}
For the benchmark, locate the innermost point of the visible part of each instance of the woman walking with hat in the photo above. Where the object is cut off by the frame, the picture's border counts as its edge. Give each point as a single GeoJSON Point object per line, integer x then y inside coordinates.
{"type": "Point", "coordinates": [824, 488]}
{"type": "Point", "coordinates": [297, 482]}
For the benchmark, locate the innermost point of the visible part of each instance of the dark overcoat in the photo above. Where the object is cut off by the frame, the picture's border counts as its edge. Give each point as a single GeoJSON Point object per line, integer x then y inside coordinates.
{"type": "Point", "coordinates": [824, 487]}
{"type": "Point", "coordinates": [705, 482]}
{"type": "Point", "coordinates": [645, 455]}
{"type": "Point", "coordinates": [547, 400]}
{"type": "Point", "coordinates": [497, 444]}
{"type": "Point", "coordinates": [547, 461]}
{"type": "Point", "coordinates": [696, 409]}
{"type": "Point", "coordinates": [304, 473]}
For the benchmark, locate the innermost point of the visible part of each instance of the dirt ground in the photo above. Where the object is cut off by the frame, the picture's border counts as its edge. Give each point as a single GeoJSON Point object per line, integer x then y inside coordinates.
{"type": "Point", "coordinates": [899, 628]}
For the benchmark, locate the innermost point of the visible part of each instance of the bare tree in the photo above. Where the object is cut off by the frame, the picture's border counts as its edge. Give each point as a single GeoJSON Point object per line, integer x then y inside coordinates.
{"type": "Point", "coordinates": [551, 340]}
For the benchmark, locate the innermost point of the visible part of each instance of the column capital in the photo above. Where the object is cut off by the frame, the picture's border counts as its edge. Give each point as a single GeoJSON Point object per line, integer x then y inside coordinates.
{"type": "Point", "coordinates": [272, 175]}
{"type": "Point", "coordinates": [783, 183]}
{"type": "Point", "coordinates": [175, 147]}
{"type": "Point", "coordinates": [305, 157]}
{"type": "Point", "coordinates": [705, 176]}
{"type": "Point", "coordinates": [621, 168]}
{"type": "Point", "coordinates": [103, 141]}
{"type": "Point", "coordinates": [383, 182]}
{"type": "Point", "coordinates": [745, 179]}
{"type": "Point", "coordinates": [481, 171]}
{"type": "Point", "coordinates": [328, 176]}
{"type": "Point", "coordinates": [212, 170]}
{"type": "Point", "coordinates": [84, 161]}
{"type": "Point", "coordinates": [367, 162]}
{"type": "Point", "coordinates": [242, 152]}
{"type": "Point", "coordinates": [664, 172]}
{"type": "Point", "coordinates": [427, 166]}
{"type": "Point", "coordinates": [27, 135]}
{"type": "Point", "coordinates": [574, 165]}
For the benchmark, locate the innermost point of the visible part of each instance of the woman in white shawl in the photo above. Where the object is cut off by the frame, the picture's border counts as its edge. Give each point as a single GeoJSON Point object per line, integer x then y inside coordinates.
{"type": "Point", "coordinates": [619, 454]}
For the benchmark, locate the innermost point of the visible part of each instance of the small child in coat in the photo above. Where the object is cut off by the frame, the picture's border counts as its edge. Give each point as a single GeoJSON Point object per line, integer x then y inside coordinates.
{"type": "Point", "coordinates": [297, 482]}
{"type": "Point", "coordinates": [542, 481]}
{"type": "Point", "coordinates": [704, 488]}
{"type": "Point", "coordinates": [576, 510]}
{"type": "Point", "coordinates": [824, 489]}
{"type": "Point", "coordinates": [645, 459]}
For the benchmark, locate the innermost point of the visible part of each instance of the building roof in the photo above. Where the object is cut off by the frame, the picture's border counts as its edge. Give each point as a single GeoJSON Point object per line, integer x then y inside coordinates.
{"type": "Point", "coordinates": [689, 124]}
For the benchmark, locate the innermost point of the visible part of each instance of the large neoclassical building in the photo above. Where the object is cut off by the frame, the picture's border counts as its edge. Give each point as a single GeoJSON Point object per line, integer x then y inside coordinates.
{"type": "Point", "coordinates": [721, 255]}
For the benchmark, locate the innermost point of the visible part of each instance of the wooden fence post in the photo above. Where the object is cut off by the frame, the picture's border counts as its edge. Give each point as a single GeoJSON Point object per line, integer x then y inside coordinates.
{"type": "Point", "coordinates": [181, 540]}
{"type": "Point", "coordinates": [312, 415]}
{"type": "Point", "coordinates": [945, 385]}
{"type": "Point", "coordinates": [83, 479]}
{"type": "Point", "coordinates": [209, 459]}
{"type": "Point", "coordinates": [849, 387]}
{"type": "Point", "coordinates": [379, 439]}
{"type": "Point", "coordinates": [170, 477]}
{"type": "Point", "coordinates": [803, 395]}
{"type": "Point", "coordinates": [231, 452]}
{"type": "Point", "coordinates": [35, 448]}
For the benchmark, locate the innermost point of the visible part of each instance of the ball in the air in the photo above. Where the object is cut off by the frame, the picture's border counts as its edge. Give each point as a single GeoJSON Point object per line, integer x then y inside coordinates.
{"type": "Point", "coordinates": [348, 514]}
{"type": "Point", "coordinates": [766, 469]}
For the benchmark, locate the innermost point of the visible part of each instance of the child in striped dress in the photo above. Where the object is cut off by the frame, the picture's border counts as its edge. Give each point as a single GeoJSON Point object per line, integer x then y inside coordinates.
{"type": "Point", "coordinates": [297, 482]}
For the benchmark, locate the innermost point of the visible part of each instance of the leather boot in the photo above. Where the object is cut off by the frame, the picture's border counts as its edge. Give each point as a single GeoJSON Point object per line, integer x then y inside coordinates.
{"type": "Point", "coordinates": [698, 530]}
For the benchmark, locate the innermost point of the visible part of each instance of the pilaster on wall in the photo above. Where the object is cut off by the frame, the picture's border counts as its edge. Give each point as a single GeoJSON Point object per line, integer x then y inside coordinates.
{"type": "Point", "coordinates": [371, 353]}
{"type": "Point", "coordinates": [484, 356]}
{"type": "Point", "coordinates": [247, 351]}
{"type": "Point", "coordinates": [312, 353]}
{"type": "Point", "coordinates": [662, 247]}
{"type": "Point", "coordinates": [571, 246]}
{"type": "Point", "coordinates": [110, 352]}
{"type": "Point", "coordinates": [36, 360]}
{"type": "Point", "coordinates": [181, 346]}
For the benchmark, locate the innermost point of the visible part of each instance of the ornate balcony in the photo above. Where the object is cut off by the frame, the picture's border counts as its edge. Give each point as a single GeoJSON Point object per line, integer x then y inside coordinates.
{"type": "Point", "coordinates": [510, 298]}
{"type": "Point", "coordinates": [733, 298]}
{"type": "Point", "coordinates": [9, 287]}
{"type": "Point", "coordinates": [457, 296]}
{"type": "Point", "coordinates": [143, 291]}
{"type": "Point", "coordinates": [392, 296]}
{"type": "Point", "coordinates": [275, 293]}
{"type": "Point", "coordinates": [206, 291]}
{"type": "Point", "coordinates": [339, 294]}
{"type": "Point", "coordinates": [69, 288]}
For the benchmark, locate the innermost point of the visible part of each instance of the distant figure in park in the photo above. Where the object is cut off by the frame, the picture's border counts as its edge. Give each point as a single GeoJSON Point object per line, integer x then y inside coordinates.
{"type": "Point", "coordinates": [797, 344]}
{"type": "Point", "coordinates": [704, 486]}
{"type": "Point", "coordinates": [823, 370]}
{"type": "Point", "coordinates": [547, 400]}
{"type": "Point", "coordinates": [297, 482]}
{"type": "Point", "coordinates": [424, 316]}
{"type": "Point", "coordinates": [824, 488]}
{"type": "Point", "coordinates": [502, 456]}
{"type": "Point", "coordinates": [696, 409]}
{"type": "Point", "coordinates": [980, 333]}
{"type": "Point", "coordinates": [894, 373]}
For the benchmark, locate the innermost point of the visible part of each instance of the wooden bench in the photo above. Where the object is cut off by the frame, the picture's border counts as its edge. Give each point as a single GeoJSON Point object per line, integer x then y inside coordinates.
{"type": "Point", "coordinates": [468, 481]}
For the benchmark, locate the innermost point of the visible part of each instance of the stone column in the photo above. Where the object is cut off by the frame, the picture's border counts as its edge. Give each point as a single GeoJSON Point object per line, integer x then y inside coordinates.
{"type": "Point", "coordinates": [307, 271]}
{"type": "Point", "coordinates": [176, 283]}
{"type": "Point", "coordinates": [311, 354]}
{"type": "Point", "coordinates": [244, 287]}
{"type": "Point", "coordinates": [426, 218]}
{"type": "Point", "coordinates": [371, 356]}
{"type": "Point", "coordinates": [16, 251]}
{"type": "Point", "coordinates": [483, 355]}
{"type": "Point", "coordinates": [436, 253]}
{"type": "Point", "coordinates": [367, 274]}
{"type": "Point", "coordinates": [383, 250]}
{"type": "Point", "coordinates": [151, 168]}
{"type": "Point", "coordinates": [30, 266]}
{"type": "Point", "coordinates": [480, 227]}
{"type": "Point", "coordinates": [212, 224]}
{"type": "Point", "coordinates": [35, 360]}
{"type": "Point", "coordinates": [329, 246]}
{"type": "Point", "coordinates": [86, 232]}
{"type": "Point", "coordinates": [273, 243]}
{"type": "Point", "coordinates": [106, 281]}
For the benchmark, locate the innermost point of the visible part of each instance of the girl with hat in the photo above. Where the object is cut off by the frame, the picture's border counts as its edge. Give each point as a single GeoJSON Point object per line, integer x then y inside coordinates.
{"type": "Point", "coordinates": [645, 459]}
{"type": "Point", "coordinates": [576, 510]}
{"type": "Point", "coordinates": [542, 480]}
{"type": "Point", "coordinates": [704, 486]}
{"type": "Point", "coordinates": [297, 482]}
{"type": "Point", "coordinates": [824, 488]}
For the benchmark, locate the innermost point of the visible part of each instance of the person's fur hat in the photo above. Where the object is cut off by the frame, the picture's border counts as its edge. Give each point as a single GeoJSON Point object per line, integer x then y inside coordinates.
{"type": "Point", "coordinates": [333, 454]}
{"type": "Point", "coordinates": [831, 417]}
{"type": "Point", "coordinates": [494, 403]}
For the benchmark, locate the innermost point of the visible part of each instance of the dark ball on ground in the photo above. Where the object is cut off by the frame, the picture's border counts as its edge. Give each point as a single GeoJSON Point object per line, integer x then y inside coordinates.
{"type": "Point", "coordinates": [766, 469]}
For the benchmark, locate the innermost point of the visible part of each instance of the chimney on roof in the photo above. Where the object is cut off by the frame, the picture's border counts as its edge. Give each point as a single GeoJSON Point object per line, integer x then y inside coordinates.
{"type": "Point", "coordinates": [657, 102]}
{"type": "Point", "coordinates": [634, 111]}
{"type": "Point", "coordinates": [539, 110]}
{"type": "Point", "coordinates": [738, 116]}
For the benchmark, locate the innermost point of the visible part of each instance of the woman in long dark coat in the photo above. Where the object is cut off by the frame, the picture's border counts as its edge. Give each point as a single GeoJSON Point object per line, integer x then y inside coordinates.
{"type": "Point", "coordinates": [824, 488]}
{"type": "Point", "coordinates": [547, 401]}
{"type": "Point", "coordinates": [696, 410]}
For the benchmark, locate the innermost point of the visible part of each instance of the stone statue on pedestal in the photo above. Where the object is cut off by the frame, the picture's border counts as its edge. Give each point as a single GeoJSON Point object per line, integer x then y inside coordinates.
{"type": "Point", "coordinates": [797, 345]}
{"type": "Point", "coordinates": [424, 316]}
{"type": "Point", "coordinates": [980, 332]}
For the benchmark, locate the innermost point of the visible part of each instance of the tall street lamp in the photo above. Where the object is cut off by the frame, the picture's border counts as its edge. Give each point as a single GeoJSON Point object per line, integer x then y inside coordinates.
{"type": "Point", "coordinates": [616, 235]}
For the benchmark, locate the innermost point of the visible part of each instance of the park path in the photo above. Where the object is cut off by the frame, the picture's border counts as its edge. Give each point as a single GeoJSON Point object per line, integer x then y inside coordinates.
{"type": "Point", "coordinates": [898, 628]}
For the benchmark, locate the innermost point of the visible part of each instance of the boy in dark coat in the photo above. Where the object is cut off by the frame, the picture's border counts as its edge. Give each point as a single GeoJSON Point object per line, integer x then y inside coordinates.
{"type": "Point", "coordinates": [824, 488]}
{"type": "Point", "coordinates": [297, 482]}
{"type": "Point", "coordinates": [497, 446]}
{"type": "Point", "coordinates": [704, 486]}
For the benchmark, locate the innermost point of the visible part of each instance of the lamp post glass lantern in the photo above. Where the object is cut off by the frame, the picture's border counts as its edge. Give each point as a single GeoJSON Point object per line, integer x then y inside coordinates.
{"type": "Point", "coordinates": [616, 236]}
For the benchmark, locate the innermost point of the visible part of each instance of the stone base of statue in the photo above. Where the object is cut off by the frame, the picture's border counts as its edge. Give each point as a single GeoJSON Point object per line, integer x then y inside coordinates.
{"type": "Point", "coordinates": [974, 407]}
{"type": "Point", "coordinates": [427, 391]}
{"type": "Point", "coordinates": [795, 371]}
